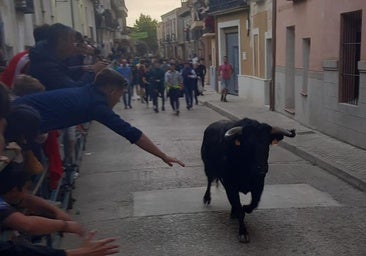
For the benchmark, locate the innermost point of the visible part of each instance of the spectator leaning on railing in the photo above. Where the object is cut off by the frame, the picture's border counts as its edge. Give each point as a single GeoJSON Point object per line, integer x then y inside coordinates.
{"type": "Point", "coordinates": [89, 248]}
{"type": "Point", "coordinates": [67, 107]}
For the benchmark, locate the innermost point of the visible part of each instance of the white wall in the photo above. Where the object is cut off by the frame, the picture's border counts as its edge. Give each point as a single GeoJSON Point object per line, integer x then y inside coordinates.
{"type": "Point", "coordinates": [254, 90]}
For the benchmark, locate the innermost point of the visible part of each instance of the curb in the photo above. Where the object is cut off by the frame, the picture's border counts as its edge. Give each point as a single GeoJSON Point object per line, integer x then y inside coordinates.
{"type": "Point", "coordinates": [325, 165]}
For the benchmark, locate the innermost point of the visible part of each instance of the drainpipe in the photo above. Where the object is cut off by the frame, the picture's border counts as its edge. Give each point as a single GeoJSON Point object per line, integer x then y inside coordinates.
{"type": "Point", "coordinates": [272, 88]}
{"type": "Point", "coordinates": [72, 14]}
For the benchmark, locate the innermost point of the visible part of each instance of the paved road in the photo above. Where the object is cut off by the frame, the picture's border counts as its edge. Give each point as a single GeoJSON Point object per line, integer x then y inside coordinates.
{"type": "Point", "coordinates": [157, 210]}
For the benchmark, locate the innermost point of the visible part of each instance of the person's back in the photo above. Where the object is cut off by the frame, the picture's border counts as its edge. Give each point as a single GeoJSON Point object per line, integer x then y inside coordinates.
{"type": "Point", "coordinates": [64, 107]}
{"type": "Point", "coordinates": [125, 71]}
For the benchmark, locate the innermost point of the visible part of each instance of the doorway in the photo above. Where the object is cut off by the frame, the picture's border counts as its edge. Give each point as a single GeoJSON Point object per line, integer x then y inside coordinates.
{"type": "Point", "coordinates": [232, 49]}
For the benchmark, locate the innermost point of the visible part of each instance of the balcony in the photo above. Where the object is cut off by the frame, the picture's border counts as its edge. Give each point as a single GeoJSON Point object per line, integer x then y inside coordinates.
{"type": "Point", "coordinates": [120, 8]}
{"type": "Point", "coordinates": [197, 24]}
{"type": "Point", "coordinates": [225, 6]}
{"type": "Point", "coordinates": [104, 20]}
{"type": "Point", "coordinates": [24, 6]}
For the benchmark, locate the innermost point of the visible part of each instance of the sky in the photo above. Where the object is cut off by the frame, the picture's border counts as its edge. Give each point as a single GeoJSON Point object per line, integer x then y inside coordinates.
{"type": "Point", "coordinates": [154, 8]}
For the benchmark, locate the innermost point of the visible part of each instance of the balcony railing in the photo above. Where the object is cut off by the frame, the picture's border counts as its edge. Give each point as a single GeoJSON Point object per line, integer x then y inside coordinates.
{"type": "Point", "coordinates": [105, 20]}
{"type": "Point", "coordinates": [223, 6]}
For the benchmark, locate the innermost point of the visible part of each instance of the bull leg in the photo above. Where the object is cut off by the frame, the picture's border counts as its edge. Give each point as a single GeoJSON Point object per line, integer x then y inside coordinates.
{"type": "Point", "coordinates": [236, 210]}
{"type": "Point", "coordinates": [207, 196]}
{"type": "Point", "coordinates": [256, 196]}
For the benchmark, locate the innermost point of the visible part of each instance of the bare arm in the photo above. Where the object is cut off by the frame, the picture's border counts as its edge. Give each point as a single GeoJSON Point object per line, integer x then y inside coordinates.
{"type": "Point", "coordinates": [95, 247]}
{"type": "Point", "coordinates": [146, 144]}
{"type": "Point", "coordinates": [41, 207]}
{"type": "Point", "coordinates": [39, 225]}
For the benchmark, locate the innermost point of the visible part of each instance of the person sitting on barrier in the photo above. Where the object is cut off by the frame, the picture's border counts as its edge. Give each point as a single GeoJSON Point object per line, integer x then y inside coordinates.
{"type": "Point", "coordinates": [66, 107]}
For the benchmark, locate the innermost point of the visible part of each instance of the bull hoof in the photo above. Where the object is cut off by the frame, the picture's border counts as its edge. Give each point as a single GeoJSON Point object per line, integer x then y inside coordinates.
{"type": "Point", "coordinates": [247, 209]}
{"type": "Point", "coordinates": [206, 200]}
{"type": "Point", "coordinates": [244, 239]}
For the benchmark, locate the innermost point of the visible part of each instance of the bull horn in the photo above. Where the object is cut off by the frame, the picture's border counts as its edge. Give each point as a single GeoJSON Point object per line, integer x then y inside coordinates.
{"type": "Point", "coordinates": [238, 130]}
{"type": "Point", "coordinates": [284, 132]}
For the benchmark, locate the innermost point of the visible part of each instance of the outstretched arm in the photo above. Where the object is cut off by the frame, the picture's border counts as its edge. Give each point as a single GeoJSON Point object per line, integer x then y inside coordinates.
{"type": "Point", "coordinates": [146, 144]}
{"type": "Point", "coordinates": [41, 207]}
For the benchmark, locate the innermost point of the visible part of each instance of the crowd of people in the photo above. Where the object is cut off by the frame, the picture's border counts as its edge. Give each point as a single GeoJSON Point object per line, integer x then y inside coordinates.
{"type": "Point", "coordinates": [154, 78]}
{"type": "Point", "coordinates": [54, 86]}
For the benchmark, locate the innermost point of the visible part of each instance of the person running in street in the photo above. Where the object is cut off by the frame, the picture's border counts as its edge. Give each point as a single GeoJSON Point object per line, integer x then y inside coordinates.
{"type": "Point", "coordinates": [157, 86]}
{"type": "Point", "coordinates": [189, 77]}
{"type": "Point", "coordinates": [226, 71]}
{"type": "Point", "coordinates": [126, 72]}
{"type": "Point", "coordinates": [174, 85]}
{"type": "Point", "coordinates": [201, 73]}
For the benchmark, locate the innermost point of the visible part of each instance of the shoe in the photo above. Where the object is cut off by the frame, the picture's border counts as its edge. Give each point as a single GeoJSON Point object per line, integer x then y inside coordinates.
{"type": "Point", "coordinates": [156, 110]}
{"type": "Point", "coordinates": [222, 98]}
{"type": "Point", "coordinates": [162, 109]}
{"type": "Point", "coordinates": [225, 100]}
{"type": "Point", "coordinates": [188, 107]}
{"type": "Point", "coordinates": [177, 112]}
{"type": "Point", "coordinates": [126, 107]}
{"type": "Point", "coordinates": [130, 106]}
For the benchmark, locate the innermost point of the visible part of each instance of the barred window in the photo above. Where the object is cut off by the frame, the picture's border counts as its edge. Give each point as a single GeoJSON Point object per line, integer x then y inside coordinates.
{"type": "Point", "coordinates": [350, 53]}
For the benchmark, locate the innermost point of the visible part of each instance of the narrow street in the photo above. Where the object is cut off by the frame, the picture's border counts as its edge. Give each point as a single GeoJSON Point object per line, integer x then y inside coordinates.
{"type": "Point", "coordinates": [156, 210]}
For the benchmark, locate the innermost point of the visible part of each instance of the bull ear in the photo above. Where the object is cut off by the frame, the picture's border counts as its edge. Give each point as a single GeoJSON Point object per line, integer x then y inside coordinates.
{"type": "Point", "coordinates": [233, 132]}
{"type": "Point", "coordinates": [284, 132]}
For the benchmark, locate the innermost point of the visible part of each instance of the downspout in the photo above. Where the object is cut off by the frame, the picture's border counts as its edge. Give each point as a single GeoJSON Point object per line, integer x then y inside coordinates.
{"type": "Point", "coordinates": [272, 88]}
{"type": "Point", "coordinates": [72, 14]}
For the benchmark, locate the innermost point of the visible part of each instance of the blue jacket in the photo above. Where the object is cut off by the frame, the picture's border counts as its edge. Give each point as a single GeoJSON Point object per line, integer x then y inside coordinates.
{"type": "Point", "coordinates": [52, 72]}
{"type": "Point", "coordinates": [72, 106]}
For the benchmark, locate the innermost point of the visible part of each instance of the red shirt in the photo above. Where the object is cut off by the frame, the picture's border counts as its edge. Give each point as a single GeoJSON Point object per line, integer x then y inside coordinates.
{"type": "Point", "coordinates": [17, 65]}
{"type": "Point", "coordinates": [226, 70]}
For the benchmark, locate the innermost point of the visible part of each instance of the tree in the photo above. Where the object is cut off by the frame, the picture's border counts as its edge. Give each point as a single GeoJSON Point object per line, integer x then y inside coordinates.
{"type": "Point", "coordinates": [146, 24]}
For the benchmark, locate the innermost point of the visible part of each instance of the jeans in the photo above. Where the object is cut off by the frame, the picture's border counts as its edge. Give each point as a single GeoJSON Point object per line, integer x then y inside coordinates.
{"type": "Point", "coordinates": [127, 96]}
{"type": "Point", "coordinates": [174, 98]}
{"type": "Point", "coordinates": [188, 91]}
{"type": "Point", "coordinates": [155, 94]}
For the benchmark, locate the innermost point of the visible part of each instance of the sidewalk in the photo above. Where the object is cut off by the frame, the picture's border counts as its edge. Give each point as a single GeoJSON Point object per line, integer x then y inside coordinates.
{"type": "Point", "coordinates": [343, 160]}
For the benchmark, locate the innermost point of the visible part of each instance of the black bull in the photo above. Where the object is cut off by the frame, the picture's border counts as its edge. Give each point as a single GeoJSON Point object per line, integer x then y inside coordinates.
{"type": "Point", "coordinates": [236, 153]}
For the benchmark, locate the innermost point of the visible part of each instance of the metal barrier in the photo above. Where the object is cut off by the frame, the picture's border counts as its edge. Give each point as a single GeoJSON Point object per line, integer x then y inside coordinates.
{"type": "Point", "coordinates": [62, 195]}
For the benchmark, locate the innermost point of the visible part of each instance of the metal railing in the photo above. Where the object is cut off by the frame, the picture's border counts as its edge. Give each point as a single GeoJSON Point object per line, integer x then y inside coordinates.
{"type": "Point", "coordinates": [226, 5]}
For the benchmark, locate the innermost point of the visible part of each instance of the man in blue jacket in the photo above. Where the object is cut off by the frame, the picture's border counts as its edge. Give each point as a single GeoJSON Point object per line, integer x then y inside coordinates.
{"type": "Point", "coordinates": [66, 107]}
{"type": "Point", "coordinates": [48, 59]}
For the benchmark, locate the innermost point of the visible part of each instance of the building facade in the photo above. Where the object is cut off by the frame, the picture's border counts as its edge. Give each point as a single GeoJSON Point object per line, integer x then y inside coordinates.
{"type": "Point", "coordinates": [255, 80]}
{"type": "Point", "coordinates": [321, 66]}
{"type": "Point", "coordinates": [171, 21]}
{"type": "Point", "coordinates": [232, 38]}
{"type": "Point", "coordinates": [102, 21]}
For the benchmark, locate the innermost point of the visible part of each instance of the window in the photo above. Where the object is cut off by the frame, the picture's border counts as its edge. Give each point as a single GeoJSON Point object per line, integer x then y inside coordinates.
{"type": "Point", "coordinates": [256, 55]}
{"type": "Point", "coordinates": [290, 71]}
{"type": "Point", "coordinates": [305, 65]}
{"type": "Point", "coordinates": [350, 51]}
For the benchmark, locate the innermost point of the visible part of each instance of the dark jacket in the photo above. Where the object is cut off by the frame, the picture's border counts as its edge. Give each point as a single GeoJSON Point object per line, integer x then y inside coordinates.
{"type": "Point", "coordinates": [52, 72]}
{"type": "Point", "coordinates": [157, 77]}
